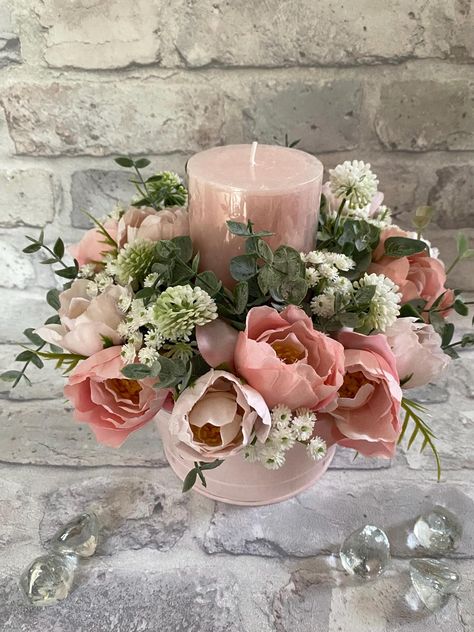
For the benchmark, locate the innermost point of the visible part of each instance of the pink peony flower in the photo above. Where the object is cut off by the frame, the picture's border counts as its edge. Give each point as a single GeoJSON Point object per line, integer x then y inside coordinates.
{"type": "Point", "coordinates": [287, 361]}
{"type": "Point", "coordinates": [112, 405]}
{"type": "Point", "coordinates": [92, 247]}
{"type": "Point", "coordinates": [417, 350]}
{"type": "Point", "coordinates": [217, 416]}
{"type": "Point", "coordinates": [417, 276]}
{"type": "Point", "coordinates": [146, 223]}
{"type": "Point", "coordinates": [84, 320]}
{"type": "Point", "coordinates": [366, 416]}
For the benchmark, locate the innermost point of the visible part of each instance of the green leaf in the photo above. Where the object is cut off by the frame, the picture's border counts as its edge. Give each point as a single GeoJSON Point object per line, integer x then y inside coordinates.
{"type": "Point", "coordinates": [165, 249]}
{"type": "Point", "coordinates": [208, 281]}
{"type": "Point", "coordinates": [32, 248]}
{"type": "Point", "coordinates": [293, 290]}
{"type": "Point", "coordinates": [145, 292]}
{"type": "Point", "coordinates": [67, 273]}
{"type": "Point", "coordinates": [447, 334]}
{"type": "Point", "coordinates": [136, 371]}
{"type": "Point", "coordinates": [33, 337]}
{"type": "Point", "coordinates": [184, 246]}
{"type": "Point", "coordinates": [422, 217]}
{"type": "Point", "coordinates": [10, 376]}
{"type": "Point", "coordinates": [212, 465]}
{"type": "Point", "coordinates": [52, 298]}
{"type": "Point", "coordinates": [123, 161]}
{"type": "Point", "coordinates": [467, 340]}
{"type": "Point", "coordinates": [37, 361]}
{"type": "Point", "coordinates": [141, 163]}
{"type": "Point", "coordinates": [288, 261]}
{"type": "Point", "coordinates": [190, 480]}
{"type": "Point", "coordinates": [107, 341]}
{"type": "Point", "coordinates": [264, 251]}
{"type": "Point", "coordinates": [53, 320]}
{"type": "Point", "coordinates": [461, 308]}
{"type": "Point", "coordinates": [25, 356]}
{"type": "Point", "coordinates": [409, 310]}
{"type": "Point", "coordinates": [468, 254]}
{"type": "Point", "coordinates": [403, 246]}
{"type": "Point", "coordinates": [462, 244]}
{"type": "Point", "coordinates": [238, 228]}
{"type": "Point", "coordinates": [243, 267]}
{"type": "Point", "coordinates": [350, 319]}
{"type": "Point", "coordinates": [438, 322]}
{"type": "Point", "coordinates": [58, 248]}
{"type": "Point", "coordinates": [241, 296]}
{"type": "Point", "coordinates": [364, 295]}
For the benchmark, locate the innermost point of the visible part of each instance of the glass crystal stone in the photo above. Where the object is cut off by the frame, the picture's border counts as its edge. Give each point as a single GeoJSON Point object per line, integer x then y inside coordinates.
{"type": "Point", "coordinates": [438, 530]}
{"type": "Point", "coordinates": [79, 536]}
{"type": "Point", "coordinates": [48, 579]}
{"type": "Point", "coordinates": [366, 552]}
{"type": "Point", "coordinates": [433, 581]}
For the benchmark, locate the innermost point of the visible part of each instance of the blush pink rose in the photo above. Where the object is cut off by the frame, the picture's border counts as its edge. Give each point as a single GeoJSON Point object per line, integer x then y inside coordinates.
{"type": "Point", "coordinates": [146, 223]}
{"type": "Point", "coordinates": [366, 417]}
{"type": "Point", "coordinates": [112, 405]}
{"type": "Point", "coordinates": [285, 359]}
{"type": "Point", "coordinates": [417, 276]}
{"type": "Point", "coordinates": [85, 320]}
{"type": "Point", "coordinates": [92, 247]}
{"type": "Point", "coordinates": [217, 416]}
{"type": "Point", "coordinates": [417, 350]}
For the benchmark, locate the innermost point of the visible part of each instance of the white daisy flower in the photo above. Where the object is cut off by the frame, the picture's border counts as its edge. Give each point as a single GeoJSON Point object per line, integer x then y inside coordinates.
{"type": "Point", "coordinates": [323, 305]}
{"type": "Point", "coordinates": [313, 276]}
{"type": "Point", "coordinates": [328, 271]}
{"type": "Point", "coordinates": [317, 448]}
{"type": "Point", "coordinates": [284, 438]}
{"type": "Point", "coordinates": [303, 424]}
{"type": "Point", "coordinates": [272, 458]}
{"type": "Point", "coordinates": [251, 453]}
{"type": "Point", "coordinates": [148, 356]}
{"type": "Point", "coordinates": [150, 280]}
{"type": "Point", "coordinates": [86, 271]}
{"type": "Point", "coordinates": [128, 353]}
{"type": "Point", "coordinates": [281, 415]}
{"type": "Point", "coordinates": [153, 339]}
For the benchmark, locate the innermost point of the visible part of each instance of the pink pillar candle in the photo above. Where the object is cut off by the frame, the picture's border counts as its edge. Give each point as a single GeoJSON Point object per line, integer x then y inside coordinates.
{"type": "Point", "coordinates": [277, 188]}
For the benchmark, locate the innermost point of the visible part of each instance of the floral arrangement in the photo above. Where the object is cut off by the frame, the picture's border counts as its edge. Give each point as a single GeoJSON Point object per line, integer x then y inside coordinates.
{"type": "Point", "coordinates": [316, 348]}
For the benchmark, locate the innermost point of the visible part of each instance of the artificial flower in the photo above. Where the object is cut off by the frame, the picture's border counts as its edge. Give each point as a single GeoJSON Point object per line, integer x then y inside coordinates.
{"type": "Point", "coordinates": [93, 246]}
{"type": "Point", "coordinates": [147, 224]}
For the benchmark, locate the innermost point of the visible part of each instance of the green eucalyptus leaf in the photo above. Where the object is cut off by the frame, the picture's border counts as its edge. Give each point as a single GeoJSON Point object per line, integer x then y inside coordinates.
{"type": "Point", "coordinates": [67, 273]}
{"type": "Point", "coordinates": [293, 290]}
{"type": "Point", "coordinates": [461, 308]}
{"type": "Point", "coordinates": [208, 281]}
{"type": "Point", "coordinates": [184, 247]}
{"type": "Point", "coordinates": [124, 161]}
{"type": "Point", "coordinates": [189, 480]}
{"type": "Point", "coordinates": [448, 333]}
{"type": "Point", "coordinates": [25, 356]}
{"type": "Point", "coordinates": [37, 361]}
{"type": "Point", "coordinates": [467, 340]}
{"type": "Point", "coordinates": [10, 376]}
{"type": "Point", "coordinates": [58, 248]}
{"type": "Point", "coordinates": [350, 319]}
{"type": "Point", "coordinates": [32, 248]}
{"type": "Point", "coordinates": [403, 246]}
{"type": "Point", "coordinates": [264, 251]}
{"type": "Point", "coordinates": [136, 371]}
{"type": "Point", "coordinates": [462, 243]}
{"type": "Point", "coordinates": [243, 267]}
{"type": "Point", "coordinates": [238, 228]}
{"type": "Point", "coordinates": [52, 298]}
{"type": "Point", "coordinates": [141, 163]}
{"type": "Point", "coordinates": [241, 296]}
{"type": "Point", "coordinates": [33, 337]}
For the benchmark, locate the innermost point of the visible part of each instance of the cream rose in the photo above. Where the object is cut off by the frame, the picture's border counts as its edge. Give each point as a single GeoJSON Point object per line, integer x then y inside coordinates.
{"type": "Point", "coordinates": [417, 350]}
{"type": "Point", "coordinates": [218, 416]}
{"type": "Point", "coordinates": [146, 223]}
{"type": "Point", "coordinates": [85, 320]}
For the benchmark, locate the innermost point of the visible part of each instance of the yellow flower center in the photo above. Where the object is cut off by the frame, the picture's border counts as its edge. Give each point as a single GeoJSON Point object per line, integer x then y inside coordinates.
{"type": "Point", "coordinates": [208, 434]}
{"type": "Point", "coordinates": [126, 389]}
{"type": "Point", "coordinates": [352, 383]}
{"type": "Point", "coordinates": [288, 352]}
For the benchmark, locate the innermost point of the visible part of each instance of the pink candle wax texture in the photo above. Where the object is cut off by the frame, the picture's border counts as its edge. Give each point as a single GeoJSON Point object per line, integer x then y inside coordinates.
{"type": "Point", "coordinates": [277, 188]}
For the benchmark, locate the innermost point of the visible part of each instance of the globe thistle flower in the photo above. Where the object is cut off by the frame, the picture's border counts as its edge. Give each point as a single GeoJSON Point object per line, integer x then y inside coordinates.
{"type": "Point", "coordinates": [317, 448]}
{"type": "Point", "coordinates": [134, 261]}
{"type": "Point", "coordinates": [385, 304]}
{"type": "Point", "coordinates": [179, 309]}
{"type": "Point", "coordinates": [353, 181]}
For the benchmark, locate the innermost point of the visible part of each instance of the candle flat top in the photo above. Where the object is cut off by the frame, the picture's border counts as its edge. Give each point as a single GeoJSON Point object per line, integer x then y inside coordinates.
{"type": "Point", "coordinates": [275, 168]}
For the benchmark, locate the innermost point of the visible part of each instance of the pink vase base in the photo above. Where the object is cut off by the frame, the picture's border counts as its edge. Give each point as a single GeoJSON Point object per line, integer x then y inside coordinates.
{"type": "Point", "coordinates": [237, 482]}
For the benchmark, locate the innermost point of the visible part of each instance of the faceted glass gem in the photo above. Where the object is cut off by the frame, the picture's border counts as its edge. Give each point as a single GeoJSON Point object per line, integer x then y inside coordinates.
{"type": "Point", "coordinates": [80, 535]}
{"type": "Point", "coordinates": [434, 582]}
{"type": "Point", "coordinates": [48, 579]}
{"type": "Point", "coordinates": [366, 552]}
{"type": "Point", "coordinates": [438, 530]}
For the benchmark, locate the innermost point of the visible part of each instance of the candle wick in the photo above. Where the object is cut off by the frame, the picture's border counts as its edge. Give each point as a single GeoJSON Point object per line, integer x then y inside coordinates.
{"type": "Point", "coordinates": [253, 152]}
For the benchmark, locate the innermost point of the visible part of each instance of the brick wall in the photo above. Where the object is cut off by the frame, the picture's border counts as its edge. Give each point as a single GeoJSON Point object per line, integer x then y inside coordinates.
{"type": "Point", "coordinates": [80, 81]}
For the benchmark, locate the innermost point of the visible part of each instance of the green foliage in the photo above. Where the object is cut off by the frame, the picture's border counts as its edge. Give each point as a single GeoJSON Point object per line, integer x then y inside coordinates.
{"type": "Point", "coordinates": [421, 429]}
{"type": "Point", "coordinates": [158, 191]}
{"type": "Point", "coordinates": [422, 218]}
{"type": "Point", "coordinates": [197, 471]}
{"type": "Point", "coordinates": [397, 247]}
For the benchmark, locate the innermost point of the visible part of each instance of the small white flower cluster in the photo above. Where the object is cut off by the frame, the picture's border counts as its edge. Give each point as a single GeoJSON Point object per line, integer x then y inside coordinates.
{"type": "Point", "coordinates": [287, 429]}
{"type": "Point", "coordinates": [322, 265]}
{"type": "Point", "coordinates": [353, 181]}
{"type": "Point", "coordinates": [385, 304]}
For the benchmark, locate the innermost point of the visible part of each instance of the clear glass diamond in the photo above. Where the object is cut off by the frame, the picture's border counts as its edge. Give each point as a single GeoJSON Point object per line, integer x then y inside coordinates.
{"type": "Point", "coordinates": [366, 552]}
{"type": "Point", "coordinates": [434, 582]}
{"type": "Point", "coordinates": [48, 579]}
{"type": "Point", "coordinates": [438, 530]}
{"type": "Point", "coordinates": [80, 535]}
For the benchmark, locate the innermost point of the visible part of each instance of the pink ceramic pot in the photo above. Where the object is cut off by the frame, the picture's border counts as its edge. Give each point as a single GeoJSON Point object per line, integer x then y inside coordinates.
{"type": "Point", "coordinates": [239, 483]}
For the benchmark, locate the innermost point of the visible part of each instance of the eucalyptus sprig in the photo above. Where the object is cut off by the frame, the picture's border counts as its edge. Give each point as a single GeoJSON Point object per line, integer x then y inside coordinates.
{"type": "Point", "coordinates": [27, 356]}
{"type": "Point", "coordinates": [464, 251]}
{"type": "Point", "coordinates": [55, 256]}
{"type": "Point", "coordinates": [197, 471]}
{"type": "Point", "coordinates": [158, 191]}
